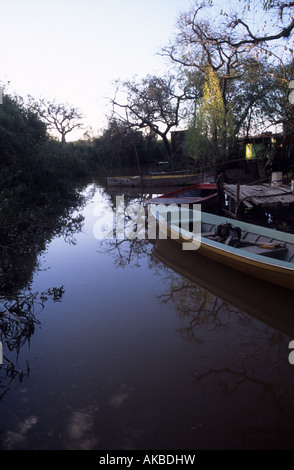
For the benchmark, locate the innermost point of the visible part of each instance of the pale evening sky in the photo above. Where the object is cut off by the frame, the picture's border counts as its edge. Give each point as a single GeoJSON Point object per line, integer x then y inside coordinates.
{"type": "Point", "coordinates": [73, 50]}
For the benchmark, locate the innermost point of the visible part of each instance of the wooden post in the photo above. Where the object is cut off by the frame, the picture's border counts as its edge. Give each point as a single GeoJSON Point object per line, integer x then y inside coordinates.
{"type": "Point", "coordinates": [237, 193]}
{"type": "Point", "coordinates": [220, 191]}
{"type": "Point", "coordinates": [237, 200]}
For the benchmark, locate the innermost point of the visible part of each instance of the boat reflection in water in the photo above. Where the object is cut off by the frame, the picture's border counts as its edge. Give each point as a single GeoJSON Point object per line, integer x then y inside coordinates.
{"type": "Point", "coordinates": [268, 303]}
{"type": "Point", "coordinates": [241, 328]}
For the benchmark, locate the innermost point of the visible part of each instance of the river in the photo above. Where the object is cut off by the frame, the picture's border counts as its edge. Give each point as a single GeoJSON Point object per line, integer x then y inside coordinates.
{"type": "Point", "coordinates": [141, 352]}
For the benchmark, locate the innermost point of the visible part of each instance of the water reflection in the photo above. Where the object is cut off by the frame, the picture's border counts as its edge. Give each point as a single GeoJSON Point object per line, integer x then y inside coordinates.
{"type": "Point", "coordinates": [240, 327]}
{"type": "Point", "coordinates": [20, 257]}
{"type": "Point", "coordinates": [269, 303]}
{"type": "Point", "coordinates": [151, 348]}
{"type": "Point", "coordinates": [129, 243]}
{"type": "Point", "coordinates": [251, 355]}
{"type": "Point", "coordinates": [23, 243]}
{"type": "Point", "coordinates": [18, 319]}
{"type": "Point", "coordinates": [125, 252]}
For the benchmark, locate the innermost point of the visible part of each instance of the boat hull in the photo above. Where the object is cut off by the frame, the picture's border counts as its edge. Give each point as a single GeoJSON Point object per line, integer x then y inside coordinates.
{"type": "Point", "coordinates": [267, 268]}
{"type": "Point", "coordinates": [153, 180]}
{"type": "Point", "coordinates": [274, 274]}
{"type": "Point", "coordinates": [202, 193]}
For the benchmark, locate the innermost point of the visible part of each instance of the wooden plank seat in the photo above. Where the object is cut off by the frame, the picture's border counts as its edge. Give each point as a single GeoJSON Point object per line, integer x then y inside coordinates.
{"type": "Point", "coordinates": [276, 252]}
{"type": "Point", "coordinates": [271, 253]}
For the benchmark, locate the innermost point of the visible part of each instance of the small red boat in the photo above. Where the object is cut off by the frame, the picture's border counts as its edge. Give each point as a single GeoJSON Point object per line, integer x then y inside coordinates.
{"type": "Point", "coordinates": [202, 193]}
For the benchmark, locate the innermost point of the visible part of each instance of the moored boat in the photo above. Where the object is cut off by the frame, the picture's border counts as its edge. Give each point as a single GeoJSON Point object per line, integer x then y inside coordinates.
{"type": "Point", "coordinates": [159, 180]}
{"type": "Point", "coordinates": [258, 251]}
{"type": "Point", "coordinates": [201, 193]}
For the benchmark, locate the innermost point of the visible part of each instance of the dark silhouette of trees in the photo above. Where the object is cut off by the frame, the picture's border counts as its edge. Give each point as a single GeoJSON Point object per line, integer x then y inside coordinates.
{"type": "Point", "coordinates": [152, 104]}
{"type": "Point", "coordinates": [60, 117]}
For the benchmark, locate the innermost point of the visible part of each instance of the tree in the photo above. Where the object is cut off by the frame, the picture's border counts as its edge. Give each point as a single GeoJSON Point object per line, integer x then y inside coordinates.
{"type": "Point", "coordinates": [251, 72]}
{"type": "Point", "coordinates": [121, 144]}
{"type": "Point", "coordinates": [260, 98]}
{"type": "Point", "coordinates": [60, 117]}
{"type": "Point", "coordinates": [235, 28]}
{"type": "Point", "coordinates": [21, 132]}
{"type": "Point", "coordinates": [211, 131]}
{"type": "Point", "coordinates": [154, 104]}
{"type": "Point", "coordinates": [250, 26]}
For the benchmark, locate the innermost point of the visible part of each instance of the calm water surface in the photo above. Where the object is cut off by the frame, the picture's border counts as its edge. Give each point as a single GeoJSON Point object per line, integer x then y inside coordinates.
{"type": "Point", "coordinates": [149, 348]}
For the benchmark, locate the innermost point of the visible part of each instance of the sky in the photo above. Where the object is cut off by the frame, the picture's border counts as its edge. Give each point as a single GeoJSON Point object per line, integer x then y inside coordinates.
{"type": "Point", "coordinates": [72, 51]}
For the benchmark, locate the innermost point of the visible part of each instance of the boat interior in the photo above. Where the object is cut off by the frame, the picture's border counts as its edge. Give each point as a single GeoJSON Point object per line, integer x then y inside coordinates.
{"type": "Point", "coordinates": [249, 241]}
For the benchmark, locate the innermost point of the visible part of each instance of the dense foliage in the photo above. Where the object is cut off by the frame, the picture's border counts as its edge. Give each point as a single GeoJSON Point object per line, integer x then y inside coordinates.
{"type": "Point", "coordinates": [33, 164]}
{"type": "Point", "coordinates": [38, 182]}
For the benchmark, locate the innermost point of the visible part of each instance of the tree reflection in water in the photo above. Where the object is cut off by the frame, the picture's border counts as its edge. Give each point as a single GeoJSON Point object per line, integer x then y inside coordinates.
{"type": "Point", "coordinates": [248, 361]}
{"type": "Point", "coordinates": [23, 238]}
{"type": "Point", "coordinates": [134, 245]}
{"type": "Point", "coordinates": [18, 318]}
{"type": "Point", "coordinates": [239, 358]}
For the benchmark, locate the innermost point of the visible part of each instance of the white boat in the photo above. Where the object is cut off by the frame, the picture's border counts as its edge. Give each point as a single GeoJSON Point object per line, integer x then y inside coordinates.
{"type": "Point", "coordinates": [259, 251]}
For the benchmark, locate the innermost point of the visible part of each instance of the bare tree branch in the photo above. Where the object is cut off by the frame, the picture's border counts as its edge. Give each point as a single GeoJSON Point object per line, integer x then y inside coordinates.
{"type": "Point", "coordinates": [153, 103]}
{"type": "Point", "coordinates": [61, 117]}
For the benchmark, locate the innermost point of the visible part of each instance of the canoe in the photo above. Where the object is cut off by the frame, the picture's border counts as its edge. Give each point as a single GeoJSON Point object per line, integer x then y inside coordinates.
{"type": "Point", "coordinates": [202, 193]}
{"type": "Point", "coordinates": [258, 251]}
{"type": "Point", "coordinates": [167, 179]}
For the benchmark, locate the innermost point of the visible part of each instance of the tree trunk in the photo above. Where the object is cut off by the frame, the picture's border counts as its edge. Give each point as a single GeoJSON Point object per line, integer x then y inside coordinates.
{"type": "Point", "coordinates": [167, 147]}
{"type": "Point", "coordinates": [288, 130]}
